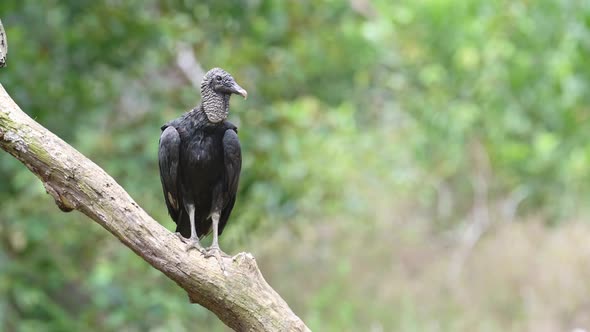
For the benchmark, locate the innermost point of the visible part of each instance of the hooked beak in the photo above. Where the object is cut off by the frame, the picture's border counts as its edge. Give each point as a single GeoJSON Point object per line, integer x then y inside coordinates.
{"type": "Point", "coordinates": [239, 90]}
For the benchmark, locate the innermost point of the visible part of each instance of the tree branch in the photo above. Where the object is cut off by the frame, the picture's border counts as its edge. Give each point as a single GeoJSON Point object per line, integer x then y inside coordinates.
{"type": "Point", "coordinates": [3, 46]}
{"type": "Point", "coordinates": [243, 299]}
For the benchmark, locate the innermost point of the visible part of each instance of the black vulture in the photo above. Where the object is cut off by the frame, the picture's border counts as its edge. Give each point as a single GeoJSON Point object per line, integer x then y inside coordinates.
{"type": "Point", "coordinates": [200, 161]}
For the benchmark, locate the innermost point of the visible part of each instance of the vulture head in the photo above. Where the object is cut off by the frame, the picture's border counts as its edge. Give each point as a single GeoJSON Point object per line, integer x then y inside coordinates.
{"type": "Point", "coordinates": [216, 88]}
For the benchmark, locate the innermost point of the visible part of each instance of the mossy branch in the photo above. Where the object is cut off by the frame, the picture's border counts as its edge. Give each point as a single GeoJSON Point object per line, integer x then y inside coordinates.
{"type": "Point", "coordinates": [243, 299]}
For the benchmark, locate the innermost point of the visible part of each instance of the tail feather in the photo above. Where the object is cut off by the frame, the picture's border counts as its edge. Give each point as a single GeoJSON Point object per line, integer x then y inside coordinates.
{"type": "Point", "coordinates": [183, 226]}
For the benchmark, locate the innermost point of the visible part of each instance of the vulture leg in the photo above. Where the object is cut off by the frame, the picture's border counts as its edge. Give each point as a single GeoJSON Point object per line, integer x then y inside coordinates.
{"type": "Point", "coordinates": [213, 250]}
{"type": "Point", "coordinates": [193, 241]}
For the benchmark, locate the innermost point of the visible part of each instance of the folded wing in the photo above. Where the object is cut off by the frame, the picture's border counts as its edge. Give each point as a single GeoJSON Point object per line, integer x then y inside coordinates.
{"type": "Point", "coordinates": [169, 157]}
{"type": "Point", "coordinates": [232, 154]}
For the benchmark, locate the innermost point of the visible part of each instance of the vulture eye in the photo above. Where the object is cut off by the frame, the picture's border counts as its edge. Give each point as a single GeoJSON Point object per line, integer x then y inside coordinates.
{"type": "Point", "coordinates": [218, 78]}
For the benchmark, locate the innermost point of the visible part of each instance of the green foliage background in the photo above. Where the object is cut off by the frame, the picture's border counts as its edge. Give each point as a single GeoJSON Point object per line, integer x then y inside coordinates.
{"type": "Point", "coordinates": [378, 135]}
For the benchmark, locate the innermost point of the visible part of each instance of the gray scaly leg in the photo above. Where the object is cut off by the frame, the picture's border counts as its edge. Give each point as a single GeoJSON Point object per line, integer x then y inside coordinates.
{"type": "Point", "coordinates": [213, 250]}
{"type": "Point", "coordinates": [193, 241]}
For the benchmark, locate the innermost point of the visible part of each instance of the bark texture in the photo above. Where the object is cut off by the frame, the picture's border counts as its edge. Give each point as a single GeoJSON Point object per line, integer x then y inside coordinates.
{"type": "Point", "coordinates": [3, 46]}
{"type": "Point", "coordinates": [242, 299]}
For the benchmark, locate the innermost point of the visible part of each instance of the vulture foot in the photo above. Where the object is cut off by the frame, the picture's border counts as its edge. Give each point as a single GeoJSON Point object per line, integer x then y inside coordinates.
{"type": "Point", "coordinates": [214, 251]}
{"type": "Point", "coordinates": [191, 243]}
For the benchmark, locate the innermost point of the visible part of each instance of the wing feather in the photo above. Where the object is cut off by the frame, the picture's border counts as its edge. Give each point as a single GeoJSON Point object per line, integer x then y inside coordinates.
{"type": "Point", "coordinates": [232, 154]}
{"type": "Point", "coordinates": [169, 157]}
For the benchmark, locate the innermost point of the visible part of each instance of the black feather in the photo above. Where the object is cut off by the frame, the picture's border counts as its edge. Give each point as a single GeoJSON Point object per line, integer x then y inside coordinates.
{"type": "Point", "coordinates": [200, 162]}
{"type": "Point", "coordinates": [168, 156]}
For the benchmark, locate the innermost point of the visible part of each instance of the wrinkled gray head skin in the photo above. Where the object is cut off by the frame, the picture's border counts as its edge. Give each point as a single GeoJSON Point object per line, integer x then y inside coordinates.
{"type": "Point", "coordinates": [216, 89]}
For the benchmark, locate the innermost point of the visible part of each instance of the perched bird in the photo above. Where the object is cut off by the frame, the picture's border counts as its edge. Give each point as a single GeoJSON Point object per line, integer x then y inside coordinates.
{"type": "Point", "coordinates": [200, 161]}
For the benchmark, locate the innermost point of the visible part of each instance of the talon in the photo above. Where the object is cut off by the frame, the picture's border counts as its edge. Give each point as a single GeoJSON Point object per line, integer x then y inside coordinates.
{"type": "Point", "coordinates": [214, 251]}
{"type": "Point", "coordinates": [193, 243]}
{"type": "Point", "coordinates": [182, 238]}
{"type": "Point", "coordinates": [211, 252]}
